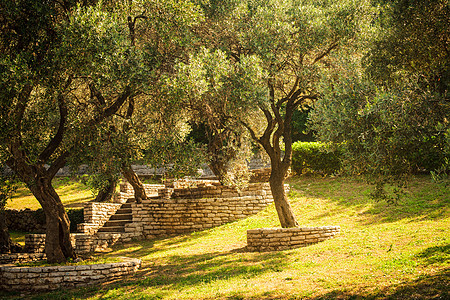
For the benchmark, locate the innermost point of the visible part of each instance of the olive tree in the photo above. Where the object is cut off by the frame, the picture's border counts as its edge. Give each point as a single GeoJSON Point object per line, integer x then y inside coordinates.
{"type": "Point", "coordinates": [388, 106]}
{"type": "Point", "coordinates": [64, 71]}
{"type": "Point", "coordinates": [261, 62]}
{"type": "Point", "coordinates": [147, 128]}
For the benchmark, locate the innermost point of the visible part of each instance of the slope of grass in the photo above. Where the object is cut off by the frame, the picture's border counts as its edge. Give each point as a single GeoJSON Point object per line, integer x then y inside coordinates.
{"type": "Point", "coordinates": [72, 193]}
{"type": "Point", "coordinates": [383, 252]}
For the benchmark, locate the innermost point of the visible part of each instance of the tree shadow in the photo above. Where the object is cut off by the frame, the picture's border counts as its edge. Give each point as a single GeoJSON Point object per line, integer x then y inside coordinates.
{"type": "Point", "coordinates": [190, 270]}
{"type": "Point", "coordinates": [179, 272]}
{"type": "Point", "coordinates": [436, 286]}
{"type": "Point", "coordinates": [422, 199]}
{"type": "Point", "coordinates": [435, 255]}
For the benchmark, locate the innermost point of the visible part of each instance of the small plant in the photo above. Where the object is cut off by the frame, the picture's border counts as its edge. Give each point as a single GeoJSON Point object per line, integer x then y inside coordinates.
{"type": "Point", "coordinates": [441, 174]}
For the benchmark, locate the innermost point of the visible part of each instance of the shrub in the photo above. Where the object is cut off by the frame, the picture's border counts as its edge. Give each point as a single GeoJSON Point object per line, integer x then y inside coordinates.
{"type": "Point", "coordinates": [76, 216]}
{"type": "Point", "coordinates": [310, 157]}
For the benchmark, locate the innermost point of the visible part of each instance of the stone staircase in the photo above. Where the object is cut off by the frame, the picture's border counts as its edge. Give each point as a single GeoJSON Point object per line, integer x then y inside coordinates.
{"type": "Point", "coordinates": [116, 222]}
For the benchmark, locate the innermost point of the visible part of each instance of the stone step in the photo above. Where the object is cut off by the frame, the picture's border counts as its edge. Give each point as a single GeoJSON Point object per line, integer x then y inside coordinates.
{"type": "Point", "coordinates": [118, 216]}
{"type": "Point", "coordinates": [122, 211]}
{"type": "Point", "coordinates": [116, 223]}
{"type": "Point", "coordinates": [112, 229]}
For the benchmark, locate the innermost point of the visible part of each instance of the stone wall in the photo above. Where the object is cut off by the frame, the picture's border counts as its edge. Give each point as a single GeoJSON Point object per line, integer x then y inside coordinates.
{"type": "Point", "coordinates": [19, 258]}
{"type": "Point", "coordinates": [176, 210]}
{"type": "Point", "coordinates": [273, 239]}
{"type": "Point", "coordinates": [35, 243]}
{"type": "Point", "coordinates": [82, 243]}
{"type": "Point", "coordinates": [25, 220]}
{"type": "Point", "coordinates": [53, 277]}
{"type": "Point", "coordinates": [95, 216]}
{"type": "Point", "coordinates": [198, 209]}
{"type": "Point", "coordinates": [180, 210]}
{"type": "Point", "coordinates": [260, 175]}
{"type": "Point", "coordinates": [127, 192]}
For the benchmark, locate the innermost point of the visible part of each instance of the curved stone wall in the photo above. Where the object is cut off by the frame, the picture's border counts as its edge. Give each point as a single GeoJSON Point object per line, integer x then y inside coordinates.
{"type": "Point", "coordinates": [18, 258]}
{"type": "Point", "coordinates": [32, 279]}
{"type": "Point", "coordinates": [274, 239]}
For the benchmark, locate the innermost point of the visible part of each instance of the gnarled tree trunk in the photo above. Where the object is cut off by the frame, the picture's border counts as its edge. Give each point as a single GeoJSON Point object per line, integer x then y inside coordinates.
{"type": "Point", "coordinates": [5, 241]}
{"type": "Point", "coordinates": [282, 205]}
{"type": "Point", "coordinates": [58, 246]}
{"type": "Point", "coordinates": [105, 194]}
{"type": "Point", "coordinates": [133, 179]}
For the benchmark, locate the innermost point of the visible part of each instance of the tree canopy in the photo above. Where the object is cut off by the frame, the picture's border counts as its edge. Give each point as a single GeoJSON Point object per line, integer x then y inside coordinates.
{"type": "Point", "coordinates": [261, 62]}
{"type": "Point", "coordinates": [388, 107]}
{"type": "Point", "coordinates": [116, 81]}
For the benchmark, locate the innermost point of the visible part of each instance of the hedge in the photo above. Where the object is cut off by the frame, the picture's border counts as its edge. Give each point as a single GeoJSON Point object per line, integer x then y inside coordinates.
{"type": "Point", "coordinates": [312, 157]}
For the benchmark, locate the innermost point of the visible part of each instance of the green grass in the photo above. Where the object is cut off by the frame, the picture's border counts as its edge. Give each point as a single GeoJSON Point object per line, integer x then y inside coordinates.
{"type": "Point", "coordinates": [383, 252]}
{"type": "Point", "coordinates": [72, 193]}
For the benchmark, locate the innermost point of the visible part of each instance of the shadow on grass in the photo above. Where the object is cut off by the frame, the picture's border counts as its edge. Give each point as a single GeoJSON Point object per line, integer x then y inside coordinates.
{"type": "Point", "coordinates": [178, 272]}
{"type": "Point", "coordinates": [435, 255]}
{"type": "Point", "coordinates": [423, 198]}
{"type": "Point", "coordinates": [435, 286]}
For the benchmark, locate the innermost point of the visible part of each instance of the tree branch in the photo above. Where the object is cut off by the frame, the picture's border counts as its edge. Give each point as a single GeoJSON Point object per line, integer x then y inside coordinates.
{"type": "Point", "coordinates": [96, 93]}
{"type": "Point", "coordinates": [112, 109]}
{"type": "Point", "coordinates": [332, 46]}
{"type": "Point", "coordinates": [58, 163]}
{"type": "Point", "coordinates": [131, 26]}
{"type": "Point", "coordinates": [19, 110]}
{"type": "Point", "coordinates": [57, 139]}
{"type": "Point", "coordinates": [270, 124]}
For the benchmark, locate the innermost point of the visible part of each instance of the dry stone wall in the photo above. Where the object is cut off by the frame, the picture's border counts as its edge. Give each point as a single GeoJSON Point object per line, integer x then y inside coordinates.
{"type": "Point", "coordinates": [178, 210]}
{"type": "Point", "coordinates": [95, 216]}
{"type": "Point", "coordinates": [274, 239]}
{"type": "Point", "coordinates": [127, 192]}
{"type": "Point", "coordinates": [24, 220]}
{"type": "Point", "coordinates": [32, 279]}
{"type": "Point", "coordinates": [19, 258]}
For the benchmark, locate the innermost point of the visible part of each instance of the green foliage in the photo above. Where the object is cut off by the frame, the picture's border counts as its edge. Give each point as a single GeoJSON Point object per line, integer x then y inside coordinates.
{"type": "Point", "coordinates": [310, 157]}
{"type": "Point", "coordinates": [411, 39]}
{"type": "Point", "coordinates": [383, 131]}
{"type": "Point", "coordinates": [300, 131]}
{"type": "Point", "coordinates": [178, 158]}
{"type": "Point", "coordinates": [391, 111]}
{"type": "Point", "coordinates": [8, 185]}
{"type": "Point", "coordinates": [76, 216]}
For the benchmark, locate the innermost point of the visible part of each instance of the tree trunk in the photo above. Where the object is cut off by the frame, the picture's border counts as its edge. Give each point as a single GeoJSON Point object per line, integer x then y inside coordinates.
{"type": "Point", "coordinates": [5, 241]}
{"type": "Point", "coordinates": [284, 209]}
{"type": "Point", "coordinates": [133, 179]}
{"type": "Point", "coordinates": [105, 194]}
{"type": "Point", "coordinates": [58, 246]}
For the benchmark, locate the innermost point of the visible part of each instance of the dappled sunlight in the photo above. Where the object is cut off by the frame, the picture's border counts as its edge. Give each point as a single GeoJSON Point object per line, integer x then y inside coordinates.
{"type": "Point", "coordinates": [381, 250]}
{"type": "Point", "coordinates": [72, 193]}
{"type": "Point", "coordinates": [348, 196]}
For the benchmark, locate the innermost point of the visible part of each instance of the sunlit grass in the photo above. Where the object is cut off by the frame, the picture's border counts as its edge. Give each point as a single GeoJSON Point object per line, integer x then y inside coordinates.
{"type": "Point", "coordinates": [72, 193]}
{"type": "Point", "coordinates": [383, 251]}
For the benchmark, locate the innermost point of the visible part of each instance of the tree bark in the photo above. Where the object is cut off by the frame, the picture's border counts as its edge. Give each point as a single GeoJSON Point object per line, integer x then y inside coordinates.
{"type": "Point", "coordinates": [105, 194]}
{"type": "Point", "coordinates": [5, 241]}
{"type": "Point", "coordinates": [133, 179]}
{"type": "Point", "coordinates": [282, 205]}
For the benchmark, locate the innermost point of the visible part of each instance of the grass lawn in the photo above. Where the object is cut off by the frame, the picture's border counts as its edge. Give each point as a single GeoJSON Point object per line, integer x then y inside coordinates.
{"type": "Point", "coordinates": [72, 192]}
{"type": "Point", "coordinates": [383, 251]}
